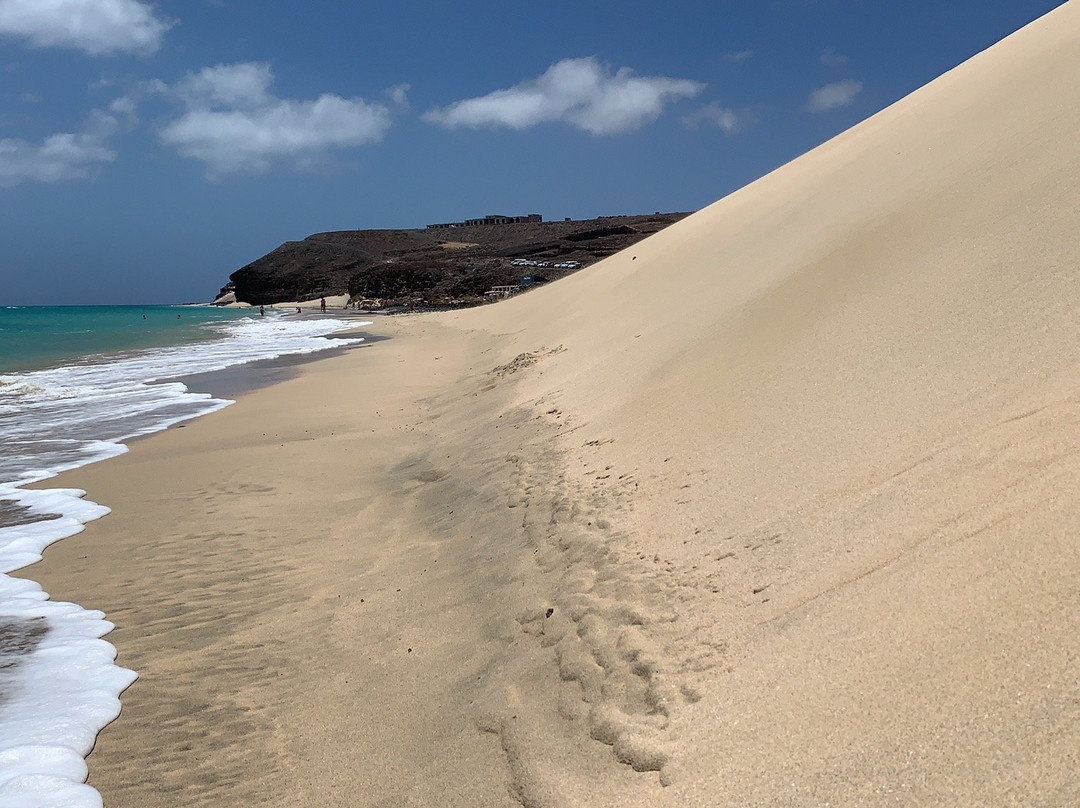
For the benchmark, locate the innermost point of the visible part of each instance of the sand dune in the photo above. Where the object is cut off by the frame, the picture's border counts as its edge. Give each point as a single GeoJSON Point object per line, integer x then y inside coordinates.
{"type": "Point", "coordinates": [774, 508]}
{"type": "Point", "coordinates": [845, 398]}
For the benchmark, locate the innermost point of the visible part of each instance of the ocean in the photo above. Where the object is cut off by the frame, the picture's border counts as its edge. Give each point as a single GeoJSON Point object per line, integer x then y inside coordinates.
{"type": "Point", "coordinates": [75, 384]}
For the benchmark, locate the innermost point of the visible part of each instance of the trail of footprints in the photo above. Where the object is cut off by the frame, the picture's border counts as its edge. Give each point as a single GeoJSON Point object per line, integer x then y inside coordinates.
{"type": "Point", "coordinates": [612, 621]}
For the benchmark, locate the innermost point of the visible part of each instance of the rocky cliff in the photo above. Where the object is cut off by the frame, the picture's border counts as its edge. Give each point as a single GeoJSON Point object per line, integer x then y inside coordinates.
{"type": "Point", "coordinates": [434, 267]}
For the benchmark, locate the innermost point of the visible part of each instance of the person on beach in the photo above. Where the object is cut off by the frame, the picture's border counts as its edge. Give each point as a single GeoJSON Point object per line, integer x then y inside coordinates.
{"type": "Point", "coordinates": [322, 304]}
{"type": "Point", "coordinates": [262, 311]}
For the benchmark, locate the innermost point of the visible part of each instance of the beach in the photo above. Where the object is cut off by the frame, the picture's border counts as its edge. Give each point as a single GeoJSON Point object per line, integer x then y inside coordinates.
{"type": "Point", "coordinates": [774, 508]}
{"type": "Point", "coordinates": [336, 635]}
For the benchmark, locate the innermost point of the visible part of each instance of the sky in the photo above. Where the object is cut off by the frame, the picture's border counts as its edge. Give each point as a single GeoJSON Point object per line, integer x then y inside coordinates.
{"type": "Point", "coordinates": [148, 150]}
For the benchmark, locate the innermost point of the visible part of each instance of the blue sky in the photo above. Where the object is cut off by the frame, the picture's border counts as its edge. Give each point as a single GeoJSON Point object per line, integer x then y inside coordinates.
{"type": "Point", "coordinates": [147, 150]}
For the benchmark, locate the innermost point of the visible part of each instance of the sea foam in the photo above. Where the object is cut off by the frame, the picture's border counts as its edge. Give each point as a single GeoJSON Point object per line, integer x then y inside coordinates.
{"type": "Point", "coordinates": [59, 684]}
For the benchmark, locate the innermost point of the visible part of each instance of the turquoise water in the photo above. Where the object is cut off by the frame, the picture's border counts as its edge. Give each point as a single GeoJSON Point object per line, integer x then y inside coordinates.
{"type": "Point", "coordinates": [33, 337]}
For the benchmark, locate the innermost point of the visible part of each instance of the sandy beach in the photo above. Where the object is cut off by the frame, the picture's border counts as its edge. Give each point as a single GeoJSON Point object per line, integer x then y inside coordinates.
{"type": "Point", "coordinates": [774, 508]}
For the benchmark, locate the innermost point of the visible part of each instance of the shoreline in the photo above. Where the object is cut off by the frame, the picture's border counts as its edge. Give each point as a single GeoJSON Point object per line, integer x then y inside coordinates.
{"type": "Point", "coordinates": [248, 377]}
{"type": "Point", "coordinates": [59, 698]}
{"type": "Point", "coordinates": [220, 568]}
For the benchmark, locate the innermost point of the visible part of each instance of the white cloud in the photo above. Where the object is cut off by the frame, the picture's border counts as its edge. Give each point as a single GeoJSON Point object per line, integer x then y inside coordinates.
{"type": "Point", "coordinates": [125, 108]}
{"type": "Point", "coordinates": [579, 92]}
{"type": "Point", "coordinates": [724, 118]}
{"type": "Point", "coordinates": [738, 57]}
{"type": "Point", "coordinates": [59, 157]}
{"type": "Point", "coordinates": [399, 95]}
{"type": "Point", "coordinates": [95, 26]}
{"type": "Point", "coordinates": [832, 58]}
{"type": "Point", "coordinates": [234, 123]}
{"type": "Point", "coordinates": [246, 84]}
{"type": "Point", "coordinates": [833, 96]}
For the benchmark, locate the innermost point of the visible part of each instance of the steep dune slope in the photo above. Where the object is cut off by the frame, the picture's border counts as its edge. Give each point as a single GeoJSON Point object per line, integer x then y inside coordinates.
{"type": "Point", "coordinates": [828, 430]}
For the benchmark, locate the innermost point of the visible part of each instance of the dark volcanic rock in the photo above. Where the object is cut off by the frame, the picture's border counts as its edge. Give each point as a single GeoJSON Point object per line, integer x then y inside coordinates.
{"type": "Point", "coordinates": [299, 270]}
{"type": "Point", "coordinates": [591, 235]}
{"type": "Point", "coordinates": [437, 267]}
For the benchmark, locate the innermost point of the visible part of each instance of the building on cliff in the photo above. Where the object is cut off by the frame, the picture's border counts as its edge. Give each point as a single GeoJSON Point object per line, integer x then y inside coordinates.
{"type": "Point", "coordinates": [492, 219]}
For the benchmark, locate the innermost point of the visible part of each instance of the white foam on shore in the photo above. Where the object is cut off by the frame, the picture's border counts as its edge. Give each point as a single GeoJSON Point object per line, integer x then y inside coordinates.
{"type": "Point", "coordinates": [22, 545]}
{"type": "Point", "coordinates": [59, 684]}
{"type": "Point", "coordinates": [58, 692]}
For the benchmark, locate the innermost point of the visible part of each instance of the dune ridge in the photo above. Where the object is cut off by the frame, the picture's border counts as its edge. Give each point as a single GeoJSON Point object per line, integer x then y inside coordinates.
{"type": "Point", "coordinates": [853, 378]}
{"type": "Point", "coordinates": [771, 509]}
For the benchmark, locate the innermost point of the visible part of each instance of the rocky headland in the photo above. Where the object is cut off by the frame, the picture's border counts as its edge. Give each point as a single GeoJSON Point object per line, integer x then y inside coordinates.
{"type": "Point", "coordinates": [434, 267]}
